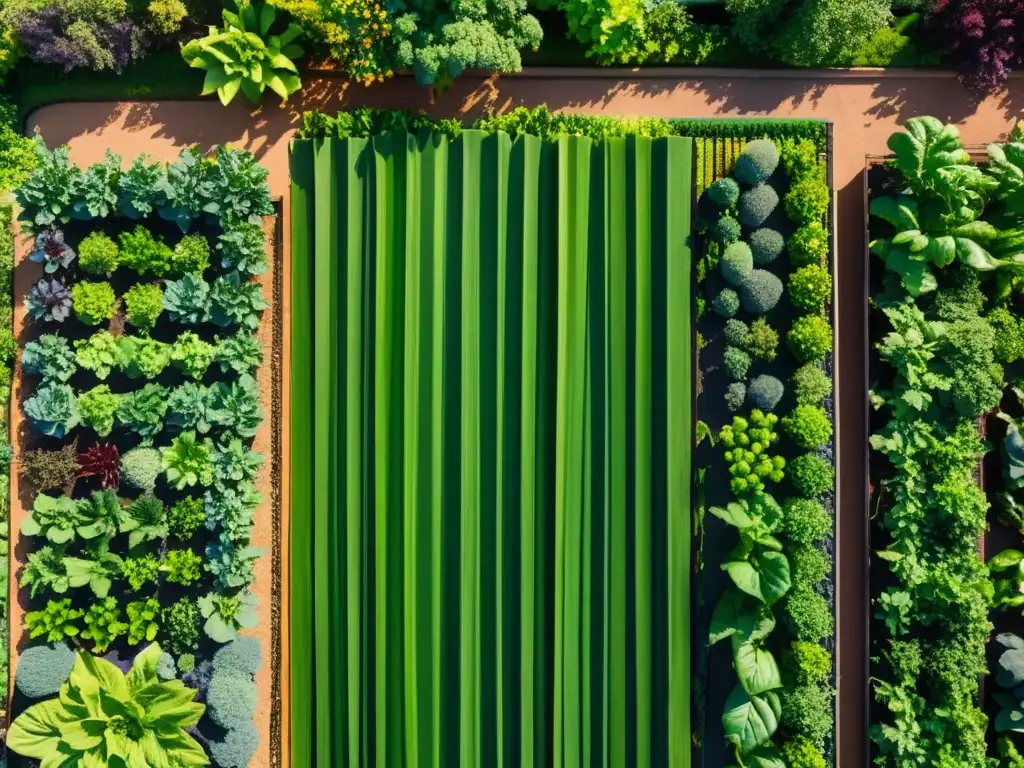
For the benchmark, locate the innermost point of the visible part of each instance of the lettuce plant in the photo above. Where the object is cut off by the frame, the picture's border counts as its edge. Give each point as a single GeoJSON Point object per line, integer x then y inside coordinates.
{"type": "Point", "coordinates": [190, 406]}
{"type": "Point", "coordinates": [142, 411]}
{"type": "Point", "coordinates": [237, 406]}
{"type": "Point", "coordinates": [104, 717]}
{"type": "Point", "coordinates": [45, 196]}
{"type": "Point", "coordinates": [187, 300]}
{"type": "Point", "coordinates": [188, 462]}
{"type": "Point", "coordinates": [105, 517]}
{"type": "Point", "coordinates": [97, 570]}
{"type": "Point", "coordinates": [191, 255]}
{"type": "Point", "coordinates": [98, 353]}
{"type": "Point", "coordinates": [103, 624]}
{"type": "Point", "coordinates": [54, 622]}
{"type": "Point", "coordinates": [54, 409]}
{"type": "Point", "coordinates": [144, 253]}
{"type": "Point", "coordinates": [181, 566]}
{"type": "Point", "coordinates": [56, 518]}
{"type": "Point", "coordinates": [143, 618]}
{"type": "Point", "coordinates": [51, 251]}
{"type": "Point", "coordinates": [95, 194]}
{"type": "Point", "coordinates": [98, 406]}
{"type": "Point", "coordinates": [98, 254]}
{"type": "Point", "coordinates": [227, 614]}
{"type": "Point", "coordinates": [243, 247]}
{"type": "Point", "coordinates": [142, 357]}
{"type": "Point", "coordinates": [93, 302]}
{"type": "Point", "coordinates": [241, 353]}
{"type": "Point", "coordinates": [244, 56]}
{"type": "Point", "coordinates": [192, 355]}
{"type": "Point", "coordinates": [143, 304]}
{"type": "Point", "coordinates": [49, 356]}
{"type": "Point", "coordinates": [237, 302]}
{"type": "Point", "coordinates": [140, 571]}
{"type": "Point", "coordinates": [146, 520]}
{"type": "Point", "coordinates": [49, 300]}
{"type": "Point", "coordinates": [139, 189]}
{"type": "Point", "coordinates": [45, 570]}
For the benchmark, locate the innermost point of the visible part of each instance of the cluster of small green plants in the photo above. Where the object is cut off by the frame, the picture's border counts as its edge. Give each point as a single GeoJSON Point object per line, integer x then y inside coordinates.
{"type": "Point", "coordinates": [766, 269]}
{"type": "Point", "coordinates": [254, 46]}
{"type": "Point", "coordinates": [947, 232]}
{"type": "Point", "coordinates": [143, 403]}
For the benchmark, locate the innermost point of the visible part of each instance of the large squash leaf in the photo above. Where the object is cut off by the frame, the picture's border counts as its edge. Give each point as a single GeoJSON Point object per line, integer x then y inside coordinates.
{"type": "Point", "coordinates": [750, 721]}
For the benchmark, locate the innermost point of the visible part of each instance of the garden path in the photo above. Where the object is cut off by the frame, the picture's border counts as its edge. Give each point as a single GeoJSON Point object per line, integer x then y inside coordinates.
{"type": "Point", "coordinates": [866, 106]}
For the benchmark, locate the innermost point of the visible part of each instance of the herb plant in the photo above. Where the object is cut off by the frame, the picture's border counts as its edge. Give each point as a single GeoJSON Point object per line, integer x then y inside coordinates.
{"type": "Point", "coordinates": [143, 304]}
{"type": "Point", "coordinates": [98, 255]}
{"type": "Point", "coordinates": [93, 302]}
{"type": "Point", "coordinates": [99, 353]}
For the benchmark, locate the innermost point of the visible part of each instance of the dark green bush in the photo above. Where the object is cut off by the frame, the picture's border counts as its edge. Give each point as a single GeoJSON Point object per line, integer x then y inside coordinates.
{"type": "Point", "coordinates": [757, 204]}
{"type": "Point", "coordinates": [757, 162]}
{"type": "Point", "coordinates": [808, 245]}
{"type": "Point", "coordinates": [737, 363]}
{"type": "Point", "coordinates": [724, 192]}
{"type": "Point", "coordinates": [811, 475]}
{"type": "Point", "coordinates": [808, 565]}
{"type": "Point", "coordinates": [807, 201]}
{"type": "Point", "coordinates": [807, 710]}
{"type": "Point", "coordinates": [737, 263]}
{"type": "Point", "coordinates": [765, 392]}
{"type": "Point", "coordinates": [242, 655]}
{"type": "Point", "coordinates": [185, 517]}
{"type": "Point", "coordinates": [736, 332]}
{"type": "Point", "coordinates": [810, 287]}
{"type": "Point", "coordinates": [179, 626]}
{"type": "Point", "coordinates": [727, 303]}
{"type": "Point", "coordinates": [805, 521]}
{"type": "Point", "coordinates": [760, 292]}
{"type": "Point", "coordinates": [726, 230]}
{"type": "Point", "coordinates": [766, 244]}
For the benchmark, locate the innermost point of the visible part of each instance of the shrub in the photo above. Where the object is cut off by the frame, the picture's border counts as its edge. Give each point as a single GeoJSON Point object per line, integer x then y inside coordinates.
{"type": "Point", "coordinates": [140, 467]}
{"type": "Point", "coordinates": [186, 662]}
{"type": "Point", "coordinates": [180, 626]}
{"type": "Point", "coordinates": [43, 669]}
{"type": "Point", "coordinates": [765, 392]}
{"type": "Point", "coordinates": [810, 338]}
{"type": "Point", "coordinates": [811, 385]}
{"type": "Point", "coordinates": [807, 201]}
{"type": "Point", "coordinates": [98, 254]}
{"type": "Point", "coordinates": [808, 615]}
{"type": "Point", "coordinates": [808, 565]}
{"type": "Point", "coordinates": [765, 244]}
{"type": "Point", "coordinates": [51, 469]}
{"type": "Point", "coordinates": [809, 662]}
{"type": "Point", "coordinates": [243, 655]}
{"type": "Point", "coordinates": [191, 255]}
{"type": "Point", "coordinates": [736, 332]}
{"type": "Point", "coordinates": [808, 426]}
{"type": "Point", "coordinates": [737, 363]}
{"type": "Point", "coordinates": [737, 263]}
{"type": "Point", "coordinates": [805, 521]}
{"type": "Point", "coordinates": [807, 709]}
{"type": "Point", "coordinates": [808, 245]}
{"type": "Point", "coordinates": [735, 394]}
{"type": "Point", "coordinates": [760, 292]}
{"type": "Point", "coordinates": [810, 287]}
{"type": "Point", "coordinates": [185, 517]}
{"type": "Point", "coordinates": [762, 340]}
{"type": "Point", "coordinates": [724, 192]}
{"type": "Point", "coordinates": [144, 253]}
{"type": "Point", "coordinates": [1009, 336]}
{"type": "Point", "coordinates": [93, 302]}
{"type": "Point", "coordinates": [757, 204]}
{"type": "Point", "coordinates": [757, 162]}
{"type": "Point", "coordinates": [811, 475]}
{"type": "Point", "coordinates": [143, 305]}
{"type": "Point", "coordinates": [726, 230]}
{"type": "Point", "coordinates": [232, 698]}
{"type": "Point", "coordinates": [237, 747]}
{"type": "Point", "coordinates": [800, 752]}
{"type": "Point", "coordinates": [727, 303]}
{"type": "Point", "coordinates": [985, 37]}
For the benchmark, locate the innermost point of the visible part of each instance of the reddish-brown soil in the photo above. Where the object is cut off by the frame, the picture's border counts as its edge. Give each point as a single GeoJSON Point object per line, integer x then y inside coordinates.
{"type": "Point", "coordinates": [866, 106]}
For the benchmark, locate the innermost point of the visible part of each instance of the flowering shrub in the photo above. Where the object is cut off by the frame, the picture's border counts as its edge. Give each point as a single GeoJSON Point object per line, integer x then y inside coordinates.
{"type": "Point", "coordinates": [987, 37]}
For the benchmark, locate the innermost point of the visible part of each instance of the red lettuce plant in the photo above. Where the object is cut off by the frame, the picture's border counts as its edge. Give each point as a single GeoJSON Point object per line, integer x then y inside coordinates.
{"type": "Point", "coordinates": [102, 461]}
{"type": "Point", "coordinates": [986, 35]}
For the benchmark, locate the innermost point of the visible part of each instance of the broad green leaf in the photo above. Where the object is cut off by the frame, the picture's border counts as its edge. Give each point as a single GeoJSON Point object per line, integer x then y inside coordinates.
{"type": "Point", "coordinates": [267, 16]}
{"type": "Point", "coordinates": [36, 731]}
{"type": "Point", "coordinates": [143, 671]}
{"type": "Point", "coordinates": [228, 91]}
{"type": "Point", "coordinates": [214, 80]}
{"type": "Point", "coordinates": [734, 613]}
{"type": "Point", "coordinates": [766, 756]}
{"type": "Point", "coordinates": [974, 255]}
{"type": "Point", "coordinates": [900, 211]}
{"type": "Point", "coordinates": [750, 721]}
{"type": "Point", "coordinates": [756, 669]}
{"type": "Point", "coordinates": [83, 735]}
{"type": "Point", "coordinates": [1008, 558]}
{"type": "Point", "coordinates": [940, 251]}
{"type": "Point", "coordinates": [916, 275]}
{"type": "Point", "coordinates": [734, 514]}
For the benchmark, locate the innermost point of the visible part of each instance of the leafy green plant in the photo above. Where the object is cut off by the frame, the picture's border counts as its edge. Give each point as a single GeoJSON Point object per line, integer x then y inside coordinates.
{"type": "Point", "coordinates": [140, 571]}
{"type": "Point", "coordinates": [808, 245]}
{"type": "Point", "coordinates": [53, 410]}
{"type": "Point", "coordinates": [98, 353]}
{"type": "Point", "coordinates": [237, 406]}
{"type": "Point", "coordinates": [810, 338]}
{"type": "Point", "coordinates": [244, 56]}
{"type": "Point", "coordinates": [55, 518]}
{"type": "Point", "coordinates": [811, 475]}
{"type": "Point", "coordinates": [185, 517]}
{"type": "Point", "coordinates": [93, 194]}
{"type": "Point", "coordinates": [144, 253]}
{"type": "Point", "coordinates": [103, 624]}
{"type": "Point", "coordinates": [146, 520]}
{"type": "Point", "coordinates": [807, 200]}
{"type": "Point", "coordinates": [236, 462]}
{"type": "Point", "coordinates": [143, 616]}
{"type": "Point", "coordinates": [139, 188]}
{"type": "Point", "coordinates": [181, 566]}
{"type": "Point", "coordinates": [51, 469]}
{"type": "Point", "coordinates": [192, 355]}
{"type": "Point", "coordinates": [1007, 569]}
{"type": "Point", "coordinates": [49, 356]}
{"type": "Point", "coordinates": [49, 300]}
{"type": "Point", "coordinates": [143, 357]}
{"type": "Point", "coordinates": [141, 466]}
{"type": "Point", "coordinates": [808, 615]}
{"type": "Point", "coordinates": [137, 709]}
{"type": "Point", "coordinates": [45, 196]}
{"type": "Point", "coordinates": [807, 709]}
{"type": "Point", "coordinates": [800, 752]}
{"type": "Point", "coordinates": [810, 287]}
{"type": "Point", "coordinates": [143, 304]}
{"type": "Point", "coordinates": [230, 564]}
{"type": "Point", "coordinates": [808, 426]}
{"type": "Point", "coordinates": [98, 255]}
{"type": "Point", "coordinates": [762, 340]}
{"type": "Point", "coordinates": [227, 614]}
{"type": "Point", "coordinates": [737, 363]}
{"type": "Point", "coordinates": [237, 302]}
{"type": "Point", "coordinates": [45, 570]}
{"type": "Point", "coordinates": [97, 407]}
{"type": "Point", "coordinates": [187, 300]}
{"type": "Point", "coordinates": [747, 443]}
{"type": "Point", "coordinates": [143, 410]}
{"type": "Point", "coordinates": [191, 255]}
{"type": "Point", "coordinates": [811, 385]}
{"type": "Point", "coordinates": [243, 248]}
{"type": "Point", "coordinates": [104, 516]}
{"type": "Point", "coordinates": [726, 303]}
{"type": "Point", "coordinates": [188, 462]}
{"type": "Point", "coordinates": [93, 302]}
{"type": "Point", "coordinates": [55, 622]}
{"type": "Point", "coordinates": [180, 624]}
{"type": "Point", "coordinates": [231, 509]}
{"type": "Point", "coordinates": [190, 406]}
{"type": "Point", "coordinates": [187, 189]}
{"type": "Point", "coordinates": [806, 521]}
{"type": "Point", "coordinates": [241, 353]}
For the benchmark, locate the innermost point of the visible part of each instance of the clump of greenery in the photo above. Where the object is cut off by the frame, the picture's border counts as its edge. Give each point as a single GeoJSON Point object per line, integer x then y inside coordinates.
{"type": "Point", "coordinates": [180, 623]}
{"type": "Point", "coordinates": [811, 475]}
{"type": "Point", "coordinates": [185, 517]}
{"type": "Point", "coordinates": [143, 304]}
{"type": "Point", "coordinates": [45, 470]}
{"type": "Point", "coordinates": [55, 622]}
{"type": "Point", "coordinates": [142, 252]}
{"type": "Point", "coordinates": [103, 624]}
{"type": "Point", "coordinates": [98, 406]}
{"type": "Point", "coordinates": [810, 287]}
{"type": "Point", "coordinates": [1009, 335]}
{"type": "Point", "coordinates": [140, 571]}
{"type": "Point", "coordinates": [736, 332]}
{"type": "Point", "coordinates": [726, 230]}
{"type": "Point", "coordinates": [737, 262]}
{"type": "Point", "coordinates": [141, 466]}
{"type": "Point", "coordinates": [142, 411]}
{"type": "Point", "coordinates": [811, 385]}
{"type": "Point", "coordinates": [737, 363]}
{"type": "Point", "coordinates": [808, 565]}
{"type": "Point", "coordinates": [181, 566]}
{"type": "Point", "coordinates": [188, 461]}
{"type": "Point", "coordinates": [191, 255]}
{"type": "Point", "coordinates": [808, 663]}
{"type": "Point", "coordinates": [142, 620]}
{"type": "Point", "coordinates": [98, 255]}
{"type": "Point", "coordinates": [757, 204]}
{"type": "Point", "coordinates": [735, 395]}
{"type": "Point", "coordinates": [808, 245]}
{"type": "Point", "coordinates": [93, 302]}
{"type": "Point", "coordinates": [760, 292]}
{"type": "Point", "coordinates": [766, 244]}
{"type": "Point", "coordinates": [747, 443]}
{"type": "Point", "coordinates": [800, 752]}
{"type": "Point", "coordinates": [99, 353]}
{"type": "Point", "coordinates": [807, 200]}
{"type": "Point", "coordinates": [807, 709]}
{"type": "Point", "coordinates": [724, 192]}
{"type": "Point", "coordinates": [808, 615]}
{"type": "Point", "coordinates": [808, 426]}
{"type": "Point", "coordinates": [810, 338]}
{"type": "Point", "coordinates": [762, 341]}
{"type": "Point", "coordinates": [726, 303]}
{"type": "Point", "coordinates": [805, 521]}
{"type": "Point", "coordinates": [142, 357]}
{"type": "Point", "coordinates": [192, 355]}
{"type": "Point", "coordinates": [757, 162]}
{"type": "Point", "coordinates": [49, 356]}
{"type": "Point", "coordinates": [765, 392]}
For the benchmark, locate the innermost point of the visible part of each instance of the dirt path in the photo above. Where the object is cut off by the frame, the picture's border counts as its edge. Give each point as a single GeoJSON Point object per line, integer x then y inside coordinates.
{"type": "Point", "coordinates": [865, 107]}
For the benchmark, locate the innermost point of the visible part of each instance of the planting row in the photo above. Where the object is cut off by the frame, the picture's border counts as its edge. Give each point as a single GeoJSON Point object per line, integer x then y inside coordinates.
{"type": "Point", "coordinates": [139, 564]}
{"type": "Point", "coordinates": [766, 276]}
